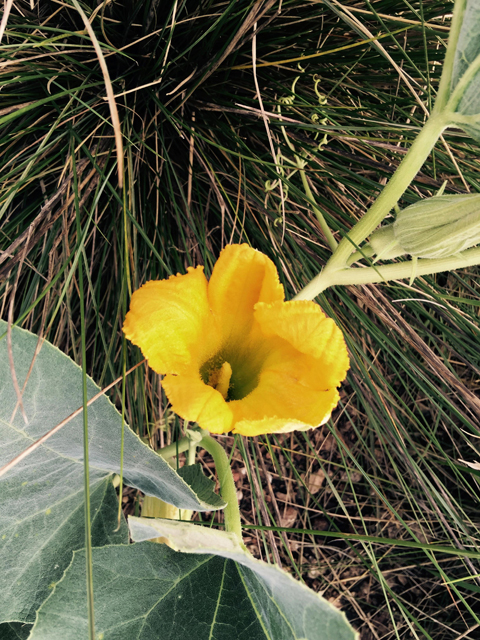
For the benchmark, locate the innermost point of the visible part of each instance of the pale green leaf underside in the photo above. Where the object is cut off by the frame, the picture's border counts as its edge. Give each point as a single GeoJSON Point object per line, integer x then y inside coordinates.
{"type": "Point", "coordinates": [41, 499]}
{"type": "Point", "coordinates": [148, 591]}
{"type": "Point", "coordinates": [186, 537]}
{"type": "Point", "coordinates": [468, 44]}
{"type": "Point", "coordinates": [468, 49]}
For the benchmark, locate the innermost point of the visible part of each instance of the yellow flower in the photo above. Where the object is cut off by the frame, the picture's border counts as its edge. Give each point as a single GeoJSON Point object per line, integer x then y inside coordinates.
{"type": "Point", "coordinates": [235, 355]}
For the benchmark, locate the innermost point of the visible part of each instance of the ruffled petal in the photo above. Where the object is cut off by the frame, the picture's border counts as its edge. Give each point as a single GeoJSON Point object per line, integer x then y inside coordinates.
{"type": "Point", "coordinates": [306, 328]}
{"type": "Point", "coordinates": [272, 425]}
{"type": "Point", "coordinates": [306, 362]}
{"type": "Point", "coordinates": [241, 277]}
{"type": "Point", "coordinates": [197, 402]}
{"type": "Point", "coordinates": [290, 390]}
{"type": "Point", "coordinates": [170, 321]}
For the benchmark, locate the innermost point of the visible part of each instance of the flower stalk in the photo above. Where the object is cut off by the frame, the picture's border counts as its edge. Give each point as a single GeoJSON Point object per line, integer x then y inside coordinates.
{"type": "Point", "coordinates": [227, 485]}
{"type": "Point", "coordinates": [200, 438]}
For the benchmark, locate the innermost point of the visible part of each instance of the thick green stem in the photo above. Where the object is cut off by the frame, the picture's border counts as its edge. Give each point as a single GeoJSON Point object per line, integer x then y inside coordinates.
{"type": "Point", "coordinates": [227, 485]}
{"type": "Point", "coordinates": [222, 465]}
{"type": "Point", "coordinates": [400, 181]}
{"type": "Point", "coordinates": [383, 273]}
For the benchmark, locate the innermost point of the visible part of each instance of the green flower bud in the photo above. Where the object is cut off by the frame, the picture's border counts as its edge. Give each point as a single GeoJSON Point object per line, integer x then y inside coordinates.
{"type": "Point", "coordinates": [436, 227]}
{"type": "Point", "coordinates": [384, 243]}
{"type": "Point", "coordinates": [439, 227]}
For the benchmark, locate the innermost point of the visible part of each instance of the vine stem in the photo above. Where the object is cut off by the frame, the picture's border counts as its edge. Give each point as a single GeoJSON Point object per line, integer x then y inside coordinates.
{"type": "Point", "coordinates": [400, 181]}
{"type": "Point", "coordinates": [227, 485]}
{"type": "Point", "coordinates": [300, 164]}
{"type": "Point", "coordinates": [393, 191]}
{"type": "Point", "coordinates": [224, 471]}
{"type": "Point", "coordinates": [443, 93]}
{"type": "Point", "coordinates": [371, 275]}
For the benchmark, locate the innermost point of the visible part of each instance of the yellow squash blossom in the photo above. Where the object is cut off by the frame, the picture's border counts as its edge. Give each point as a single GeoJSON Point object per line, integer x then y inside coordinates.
{"type": "Point", "coordinates": [235, 355]}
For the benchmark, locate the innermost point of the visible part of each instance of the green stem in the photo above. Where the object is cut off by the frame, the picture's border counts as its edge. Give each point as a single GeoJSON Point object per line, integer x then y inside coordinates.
{"type": "Point", "coordinates": [123, 297]}
{"type": "Point", "coordinates": [192, 452]}
{"type": "Point", "coordinates": [332, 243]}
{"type": "Point", "coordinates": [171, 450]}
{"type": "Point", "coordinates": [184, 444]}
{"type": "Point", "coordinates": [227, 485]}
{"type": "Point", "coordinates": [371, 275]}
{"type": "Point", "coordinates": [401, 179]}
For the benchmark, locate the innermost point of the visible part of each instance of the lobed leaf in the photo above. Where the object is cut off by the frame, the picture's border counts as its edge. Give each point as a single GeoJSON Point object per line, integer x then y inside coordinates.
{"type": "Point", "coordinates": [41, 498]}
{"type": "Point", "coordinates": [148, 591]}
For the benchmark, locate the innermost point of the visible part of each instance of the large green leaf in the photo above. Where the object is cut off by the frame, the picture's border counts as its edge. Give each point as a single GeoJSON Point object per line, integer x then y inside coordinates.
{"type": "Point", "coordinates": [41, 499]}
{"type": "Point", "coordinates": [466, 58]}
{"type": "Point", "coordinates": [468, 43]}
{"type": "Point", "coordinates": [149, 591]}
{"type": "Point", "coordinates": [39, 535]}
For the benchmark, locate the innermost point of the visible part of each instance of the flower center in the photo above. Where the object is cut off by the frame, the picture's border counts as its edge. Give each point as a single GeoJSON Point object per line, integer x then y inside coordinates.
{"type": "Point", "coordinates": [219, 379]}
{"type": "Point", "coordinates": [233, 375]}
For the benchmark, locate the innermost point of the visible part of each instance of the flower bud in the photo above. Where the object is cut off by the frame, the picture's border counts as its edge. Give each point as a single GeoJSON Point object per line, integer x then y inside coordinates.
{"type": "Point", "coordinates": [436, 227]}
{"type": "Point", "coordinates": [384, 243]}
